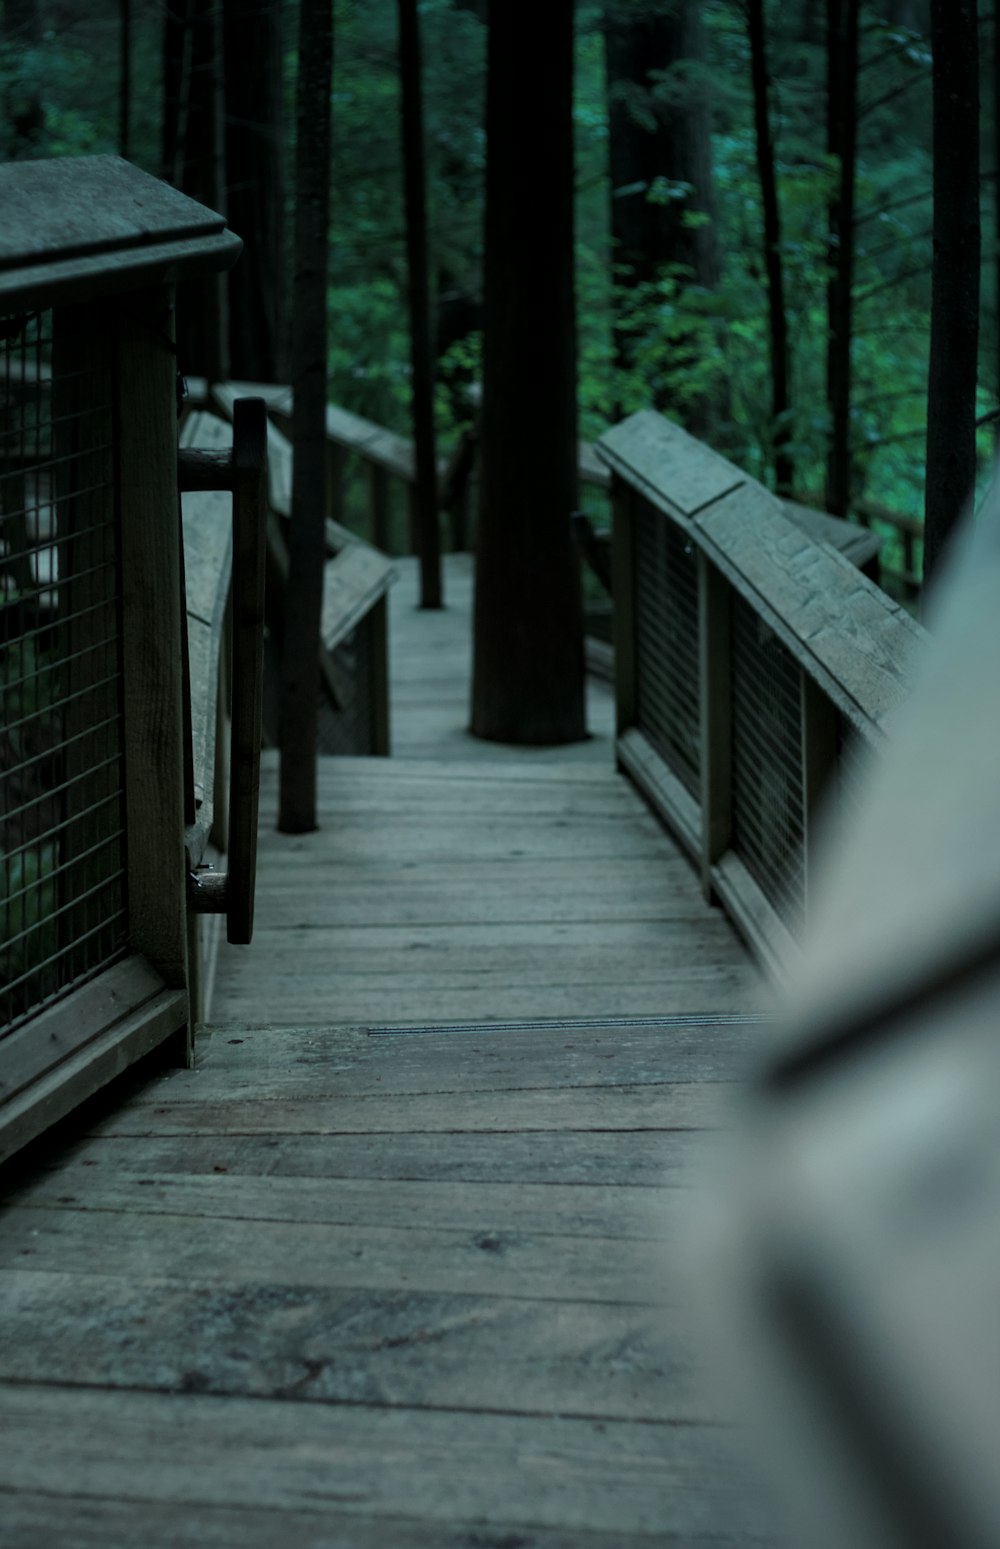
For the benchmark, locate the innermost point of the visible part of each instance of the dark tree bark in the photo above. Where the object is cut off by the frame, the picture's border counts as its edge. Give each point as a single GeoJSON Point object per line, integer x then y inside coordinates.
{"type": "Point", "coordinates": [176, 71]}
{"type": "Point", "coordinates": [528, 684]}
{"type": "Point", "coordinates": [842, 143]}
{"type": "Point", "coordinates": [951, 398]}
{"type": "Point", "coordinates": [307, 538]}
{"type": "Point", "coordinates": [778, 319]}
{"type": "Point", "coordinates": [252, 35]}
{"type": "Point", "coordinates": [660, 129]}
{"type": "Point", "coordinates": [421, 340]}
{"type": "Point", "coordinates": [23, 32]}
{"type": "Point", "coordinates": [124, 77]}
{"type": "Point", "coordinates": [197, 155]}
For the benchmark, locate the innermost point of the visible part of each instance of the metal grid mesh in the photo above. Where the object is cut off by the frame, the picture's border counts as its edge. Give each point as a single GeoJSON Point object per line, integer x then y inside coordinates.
{"type": "Point", "coordinates": [853, 759]}
{"type": "Point", "coordinates": [62, 846]}
{"type": "Point", "coordinates": [767, 776]}
{"type": "Point", "coordinates": [666, 623]}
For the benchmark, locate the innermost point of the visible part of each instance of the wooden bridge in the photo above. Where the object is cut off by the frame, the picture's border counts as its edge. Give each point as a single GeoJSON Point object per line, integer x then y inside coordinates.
{"type": "Point", "coordinates": [401, 1258]}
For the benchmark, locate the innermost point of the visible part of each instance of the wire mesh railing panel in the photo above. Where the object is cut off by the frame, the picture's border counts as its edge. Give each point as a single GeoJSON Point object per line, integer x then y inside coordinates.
{"type": "Point", "coordinates": [666, 644]}
{"type": "Point", "coordinates": [767, 772]}
{"type": "Point", "coordinates": [62, 844]}
{"type": "Point", "coordinates": [853, 759]}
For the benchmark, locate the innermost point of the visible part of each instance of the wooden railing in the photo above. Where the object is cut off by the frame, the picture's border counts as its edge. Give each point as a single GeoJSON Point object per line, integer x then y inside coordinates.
{"type": "Point", "coordinates": [754, 665]}
{"type": "Point", "coordinates": [387, 463]}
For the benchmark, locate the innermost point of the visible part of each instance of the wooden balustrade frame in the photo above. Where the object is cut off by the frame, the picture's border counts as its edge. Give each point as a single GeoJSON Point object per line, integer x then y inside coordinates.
{"type": "Point", "coordinates": [95, 238]}
{"type": "Point", "coordinates": [853, 649]}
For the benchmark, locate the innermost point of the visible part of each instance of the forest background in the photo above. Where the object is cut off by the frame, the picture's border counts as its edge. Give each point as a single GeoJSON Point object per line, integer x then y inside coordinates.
{"type": "Point", "coordinates": [690, 334]}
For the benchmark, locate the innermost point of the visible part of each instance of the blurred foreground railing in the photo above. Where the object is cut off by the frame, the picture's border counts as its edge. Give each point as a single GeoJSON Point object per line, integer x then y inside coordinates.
{"type": "Point", "coordinates": [754, 664]}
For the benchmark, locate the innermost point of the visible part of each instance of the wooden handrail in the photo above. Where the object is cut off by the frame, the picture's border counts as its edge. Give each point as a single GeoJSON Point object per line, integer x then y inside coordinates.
{"type": "Point", "coordinates": [750, 657]}
{"type": "Point", "coordinates": [242, 473]}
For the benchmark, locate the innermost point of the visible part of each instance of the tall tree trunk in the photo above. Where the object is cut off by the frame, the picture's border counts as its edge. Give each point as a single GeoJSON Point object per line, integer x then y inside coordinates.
{"type": "Point", "coordinates": [22, 33]}
{"type": "Point", "coordinates": [176, 72]}
{"type": "Point", "coordinates": [657, 133]}
{"type": "Point", "coordinates": [201, 302]}
{"type": "Point", "coordinates": [528, 684]}
{"type": "Point", "coordinates": [778, 319]}
{"type": "Point", "coordinates": [842, 142]}
{"type": "Point", "coordinates": [307, 538]}
{"type": "Point", "coordinates": [421, 342]}
{"type": "Point", "coordinates": [951, 398]}
{"type": "Point", "coordinates": [252, 35]}
{"type": "Point", "coordinates": [124, 78]}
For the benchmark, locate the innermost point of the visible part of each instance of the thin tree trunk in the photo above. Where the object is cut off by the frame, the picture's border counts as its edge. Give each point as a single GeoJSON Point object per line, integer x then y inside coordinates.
{"type": "Point", "coordinates": [176, 68]}
{"type": "Point", "coordinates": [125, 78]}
{"type": "Point", "coordinates": [22, 30]}
{"type": "Point", "coordinates": [307, 538]}
{"type": "Point", "coordinates": [201, 301]}
{"type": "Point", "coordinates": [842, 137]}
{"type": "Point", "coordinates": [951, 398]}
{"type": "Point", "coordinates": [421, 342]}
{"type": "Point", "coordinates": [528, 683]}
{"type": "Point", "coordinates": [655, 135]}
{"type": "Point", "coordinates": [778, 320]}
{"type": "Point", "coordinates": [255, 175]}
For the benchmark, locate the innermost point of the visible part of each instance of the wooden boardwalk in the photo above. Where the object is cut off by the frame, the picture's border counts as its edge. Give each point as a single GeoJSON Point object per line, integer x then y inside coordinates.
{"type": "Point", "coordinates": [460, 880]}
{"type": "Point", "coordinates": [350, 1286]}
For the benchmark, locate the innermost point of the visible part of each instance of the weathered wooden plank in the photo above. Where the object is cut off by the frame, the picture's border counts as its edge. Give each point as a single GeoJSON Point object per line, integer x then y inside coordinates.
{"type": "Point", "coordinates": [480, 1262]}
{"type": "Point", "coordinates": [353, 583]}
{"type": "Point", "coordinates": [392, 1348]}
{"type": "Point", "coordinates": [279, 1456]}
{"type": "Point", "coordinates": [678, 474]}
{"type": "Point", "coordinates": [94, 1522]}
{"type": "Point", "coordinates": [858, 544]}
{"type": "Point", "coordinates": [151, 635]}
{"type": "Point", "coordinates": [712, 988]}
{"type": "Point", "coordinates": [858, 643]}
{"type": "Point", "coordinates": [595, 1210]}
{"type": "Point", "coordinates": [639, 1158]}
{"type": "Point", "coordinates": [90, 1522]}
{"type": "Point", "coordinates": [670, 1106]}
{"type": "Point", "coordinates": [539, 1055]}
{"type": "Point", "coordinates": [688, 949]}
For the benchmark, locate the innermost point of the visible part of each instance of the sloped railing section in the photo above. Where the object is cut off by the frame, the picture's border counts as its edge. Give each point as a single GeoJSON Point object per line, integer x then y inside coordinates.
{"type": "Point", "coordinates": [754, 667]}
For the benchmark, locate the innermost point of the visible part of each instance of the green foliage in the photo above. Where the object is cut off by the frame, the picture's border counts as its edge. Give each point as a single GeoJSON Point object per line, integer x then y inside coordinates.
{"type": "Point", "coordinates": [686, 345]}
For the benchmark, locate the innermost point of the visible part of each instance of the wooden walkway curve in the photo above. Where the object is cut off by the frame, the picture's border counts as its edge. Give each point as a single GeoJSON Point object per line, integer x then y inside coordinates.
{"type": "Point", "coordinates": [359, 1280]}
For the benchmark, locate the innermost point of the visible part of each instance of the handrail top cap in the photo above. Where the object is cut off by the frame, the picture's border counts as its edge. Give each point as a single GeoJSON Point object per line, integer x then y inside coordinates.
{"type": "Point", "coordinates": [85, 224]}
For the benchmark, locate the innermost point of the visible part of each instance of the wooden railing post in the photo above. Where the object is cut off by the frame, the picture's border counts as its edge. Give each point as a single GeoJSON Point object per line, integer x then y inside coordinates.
{"type": "Point", "coordinates": [623, 577]}
{"type": "Point", "coordinates": [378, 490]}
{"type": "Point", "coordinates": [715, 698]}
{"type": "Point", "coordinates": [335, 469]}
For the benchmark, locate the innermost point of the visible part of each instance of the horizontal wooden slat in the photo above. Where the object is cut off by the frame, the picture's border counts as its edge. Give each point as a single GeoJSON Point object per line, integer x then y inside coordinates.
{"type": "Point", "coordinates": [507, 1471]}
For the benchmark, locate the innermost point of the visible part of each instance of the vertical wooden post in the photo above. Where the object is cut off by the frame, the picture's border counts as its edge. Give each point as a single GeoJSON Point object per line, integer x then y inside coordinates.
{"type": "Point", "coordinates": [623, 578]}
{"type": "Point", "coordinates": [307, 534]}
{"type": "Point", "coordinates": [819, 760]}
{"type": "Point", "coordinates": [378, 495]}
{"type": "Point", "coordinates": [336, 460]}
{"type": "Point", "coordinates": [715, 699]}
{"type": "Point", "coordinates": [377, 623]}
{"type": "Point", "coordinates": [151, 634]}
{"type": "Point", "coordinates": [423, 493]}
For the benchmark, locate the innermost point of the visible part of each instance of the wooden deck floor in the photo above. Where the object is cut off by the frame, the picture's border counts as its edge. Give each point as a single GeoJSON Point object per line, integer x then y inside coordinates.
{"type": "Point", "coordinates": [460, 880]}
{"type": "Point", "coordinates": [342, 1288]}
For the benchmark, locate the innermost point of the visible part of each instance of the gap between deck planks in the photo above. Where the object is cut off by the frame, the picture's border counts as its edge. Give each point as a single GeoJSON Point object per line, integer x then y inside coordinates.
{"type": "Point", "coordinates": [437, 1335]}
